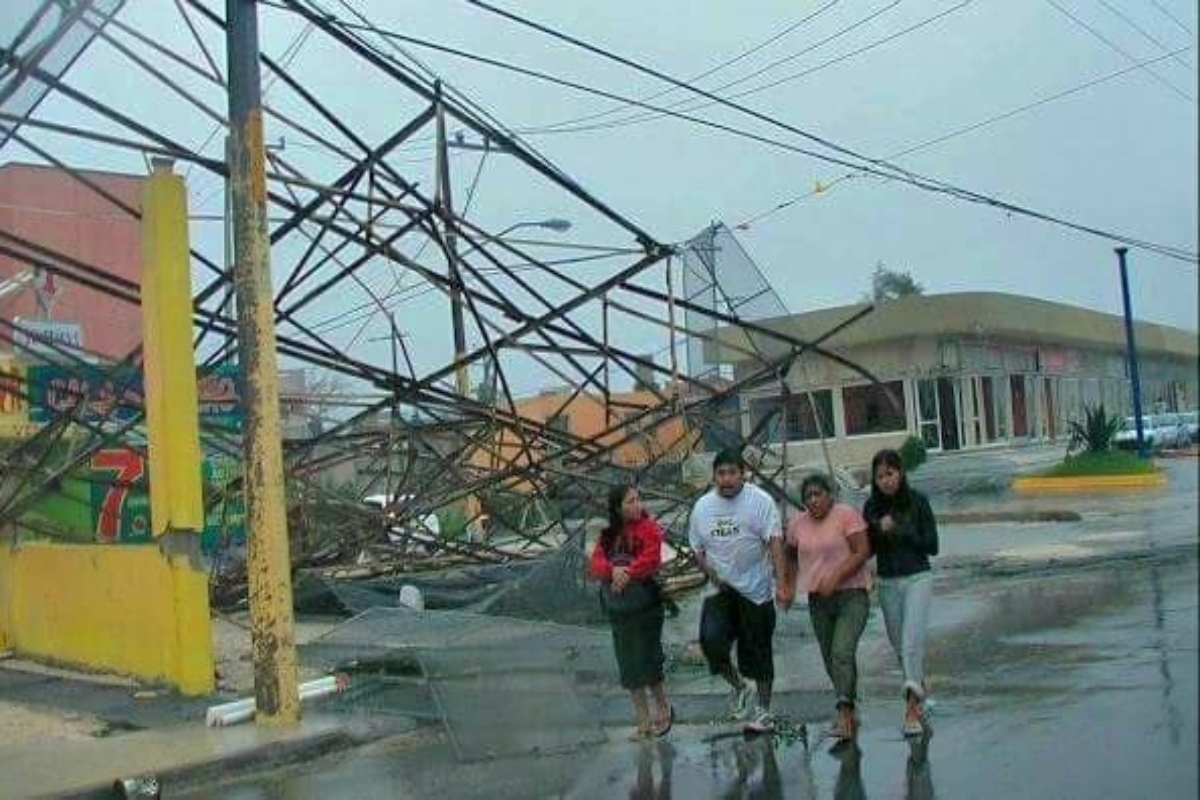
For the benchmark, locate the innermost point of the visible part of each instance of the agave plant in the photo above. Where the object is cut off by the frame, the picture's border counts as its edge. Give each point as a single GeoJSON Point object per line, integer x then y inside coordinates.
{"type": "Point", "coordinates": [1095, 433]}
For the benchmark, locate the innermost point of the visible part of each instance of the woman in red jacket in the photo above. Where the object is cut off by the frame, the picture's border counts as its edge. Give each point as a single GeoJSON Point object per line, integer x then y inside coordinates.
{"type": "Point", "coordinates": [626, 559]}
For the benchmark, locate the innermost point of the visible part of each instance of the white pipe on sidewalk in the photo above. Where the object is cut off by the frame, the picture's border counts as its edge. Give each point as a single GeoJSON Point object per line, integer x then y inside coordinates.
{"type": "Point", "coordinates": [238, 711]}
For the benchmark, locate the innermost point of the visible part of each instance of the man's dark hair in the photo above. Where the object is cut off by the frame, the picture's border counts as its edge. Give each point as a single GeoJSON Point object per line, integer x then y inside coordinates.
{"type": "Point", "coordinates": [730, 455]}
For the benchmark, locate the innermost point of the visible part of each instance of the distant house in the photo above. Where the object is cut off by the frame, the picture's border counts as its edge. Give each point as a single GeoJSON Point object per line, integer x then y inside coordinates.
{"type": "Point", "coordinates": [633, 429]}
{"type": "Point", "coordinates": [962, 370]}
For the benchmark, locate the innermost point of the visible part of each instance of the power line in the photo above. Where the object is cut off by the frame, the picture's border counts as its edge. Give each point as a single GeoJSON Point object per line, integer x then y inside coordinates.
{"type": "Point", "coordinates": [876, 167]}
{"type": "Point", "coordinates": [878, 164]}
{"type": "Point", "coordinates": [1114, 46]}
{"type": "Point", "coordinates": [527, 152]}
{"type": "Point", "coordinates": [822, 188]}
{"type": "Point", "coordinates": [549, 78]}
{"type": "Point", "coordinates": [1146, 34]}
{"type": "Point", "coordinates": [681, 104]}
{"type": "Point", "coordinates": [711, 71]}
{"type": "Point", "coordinates": [397, 282]}
{"type": "Point", "coordinates": [289, 54]}
{"type": "Point", "coordinates": [611, 56]}
{"type": "Point", "coordinates": [1036, 103]}
{"type": "Point", "coordinates": [554, 127]}
{"type": "Point", "coordinates": [696, 106]}
{"type": "Point", "coordinates": [1173, 18]}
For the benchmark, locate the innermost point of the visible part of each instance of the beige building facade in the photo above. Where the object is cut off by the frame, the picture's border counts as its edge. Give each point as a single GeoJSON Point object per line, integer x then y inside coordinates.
{"type": "Point", "coordinates": [961, 371]}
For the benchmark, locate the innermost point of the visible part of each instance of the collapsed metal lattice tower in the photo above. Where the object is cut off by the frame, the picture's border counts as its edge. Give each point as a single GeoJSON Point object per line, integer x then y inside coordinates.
{"type": "Point", "coordinates": [358, 239]}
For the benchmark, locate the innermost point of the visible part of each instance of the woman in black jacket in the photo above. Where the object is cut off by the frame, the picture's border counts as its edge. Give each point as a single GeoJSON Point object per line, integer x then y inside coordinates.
{"type": "Point", "coordinates": [903, 535]}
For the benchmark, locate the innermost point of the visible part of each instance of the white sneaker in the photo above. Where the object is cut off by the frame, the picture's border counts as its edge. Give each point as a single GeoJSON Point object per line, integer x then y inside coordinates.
{"type": "Point", "coordinates": [763, 721]}
{"type": "Point", "coordinates": [739, 702]}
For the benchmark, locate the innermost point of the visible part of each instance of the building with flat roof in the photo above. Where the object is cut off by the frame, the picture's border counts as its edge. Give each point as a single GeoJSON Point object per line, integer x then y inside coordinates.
{"type": "Point", "coordinates": [58, 213]}
{"type": "Point", "coordinates": [962, 370]}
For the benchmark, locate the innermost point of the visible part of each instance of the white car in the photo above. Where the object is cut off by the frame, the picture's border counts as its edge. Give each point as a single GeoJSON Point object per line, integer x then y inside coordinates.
{"type": "Point", "coordinates": [424, 528]}
{"type": "Point", "coordinates": [1160, 432]}
{"type": "Point", "coordinates": [1172, 431]}
{"type": "Point", "coordinates": [1191, 421]}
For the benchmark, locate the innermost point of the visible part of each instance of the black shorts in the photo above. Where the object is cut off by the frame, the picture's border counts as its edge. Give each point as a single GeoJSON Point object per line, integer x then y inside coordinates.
{"type": "Point", "coordinates": [726, 618]}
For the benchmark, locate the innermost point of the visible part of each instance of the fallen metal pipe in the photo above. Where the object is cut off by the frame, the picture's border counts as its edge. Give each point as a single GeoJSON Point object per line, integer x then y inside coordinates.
{"type": "Point", "coordinates": [239, 711]}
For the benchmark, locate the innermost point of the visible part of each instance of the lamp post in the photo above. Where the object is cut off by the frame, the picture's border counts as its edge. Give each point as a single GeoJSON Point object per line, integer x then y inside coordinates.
{"type": "Point", "coordinates": [1131, 353]}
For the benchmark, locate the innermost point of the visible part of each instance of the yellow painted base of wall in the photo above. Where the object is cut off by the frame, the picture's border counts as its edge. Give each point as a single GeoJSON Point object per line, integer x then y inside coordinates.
{"type": "Point", "coordinates": [1089, 483]}
{"type": "Point", "coordinates": [128, 609]}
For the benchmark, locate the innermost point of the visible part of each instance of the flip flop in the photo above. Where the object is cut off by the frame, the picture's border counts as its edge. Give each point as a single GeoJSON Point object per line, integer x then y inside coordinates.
{"type": "Point", "coordinates": [670, 723]}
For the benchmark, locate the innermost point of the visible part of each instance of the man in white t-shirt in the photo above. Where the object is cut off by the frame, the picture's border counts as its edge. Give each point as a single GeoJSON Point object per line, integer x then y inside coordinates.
{"type": "Point", "coordinates": [738, 542]}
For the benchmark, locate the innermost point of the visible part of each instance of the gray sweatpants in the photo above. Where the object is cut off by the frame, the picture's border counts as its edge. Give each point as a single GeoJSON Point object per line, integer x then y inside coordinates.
{"type": "Point", "coordinates": [905, 603]}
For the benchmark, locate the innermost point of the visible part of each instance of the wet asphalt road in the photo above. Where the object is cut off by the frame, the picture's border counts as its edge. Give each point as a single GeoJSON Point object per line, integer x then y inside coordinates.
{"type": "Point", "coordinates": [1080, 683]}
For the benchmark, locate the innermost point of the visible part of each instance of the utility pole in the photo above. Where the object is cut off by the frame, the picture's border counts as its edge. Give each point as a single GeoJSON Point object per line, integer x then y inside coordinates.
{"type": "Point", "coordinates": [272, 632]}
{"type": "Point", "coordinates": [445, 207]}
{"type": "Point", "coordinates": [394, 416]}
{"type": "Point", "coordinates": [1131, 353]}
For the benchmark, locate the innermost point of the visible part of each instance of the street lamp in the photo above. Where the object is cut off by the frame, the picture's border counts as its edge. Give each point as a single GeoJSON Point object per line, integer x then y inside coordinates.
{"type": "Point", "coordinates": [556, 224]}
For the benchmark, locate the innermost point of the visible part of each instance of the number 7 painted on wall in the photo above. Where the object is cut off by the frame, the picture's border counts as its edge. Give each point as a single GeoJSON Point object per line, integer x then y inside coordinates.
{"type": "Point", "coordinates": [129, 467]}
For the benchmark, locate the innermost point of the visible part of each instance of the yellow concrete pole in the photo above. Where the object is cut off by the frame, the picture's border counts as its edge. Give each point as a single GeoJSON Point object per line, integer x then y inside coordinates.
{"type": "Point", "coordinates": [172, 410]}
{"type": "Point", "coordinates": [172, 419]}
{"type": "Point", "coordinates": [272, 630]}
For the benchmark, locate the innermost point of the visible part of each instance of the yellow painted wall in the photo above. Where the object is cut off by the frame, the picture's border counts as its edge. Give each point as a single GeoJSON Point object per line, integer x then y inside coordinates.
{"type": "Point", "coordinates": [128, 609]}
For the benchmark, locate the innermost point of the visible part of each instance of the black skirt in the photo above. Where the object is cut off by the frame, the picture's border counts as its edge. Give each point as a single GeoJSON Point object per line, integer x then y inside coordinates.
{"type": "Point", "coordinates": [637, 641]}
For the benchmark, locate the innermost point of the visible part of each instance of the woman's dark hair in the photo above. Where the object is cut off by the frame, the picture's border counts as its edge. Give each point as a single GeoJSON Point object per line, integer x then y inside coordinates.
{"type": "Point", "coordinates": [616, 521]}
{"type": "Point", "coordinates": [890, 458]}
{"type": "Point", "coordinates": [816, 479]}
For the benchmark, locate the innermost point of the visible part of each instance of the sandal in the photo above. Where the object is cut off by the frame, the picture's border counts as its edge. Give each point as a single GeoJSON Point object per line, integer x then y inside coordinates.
{"type": "Point", "coordinates": [844, 729]}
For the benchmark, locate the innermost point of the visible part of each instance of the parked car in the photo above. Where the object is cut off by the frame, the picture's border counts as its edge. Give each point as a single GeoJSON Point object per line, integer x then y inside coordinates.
{"type": "Point", "coordinates": [1172, 431]}
{"type": "Point", "coordinates": [1191, 421]}
{"type": "Point", "coordinates": [401, 524]}
{"type": "Point", "coordinates": [1160, 431]}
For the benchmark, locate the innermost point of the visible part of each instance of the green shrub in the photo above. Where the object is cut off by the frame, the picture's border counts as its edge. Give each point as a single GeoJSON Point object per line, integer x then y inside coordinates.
{"type": "Point", "coordinates": [1115, 462]}
{"type": "Point", "coordinates": [912, 453]}
{"type": "Point", "coordinates": [1095, 434]}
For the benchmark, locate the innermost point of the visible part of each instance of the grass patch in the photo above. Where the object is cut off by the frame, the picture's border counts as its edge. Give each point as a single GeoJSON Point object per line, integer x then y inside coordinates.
{"type": "Point", "coordinates": [1113, 462]}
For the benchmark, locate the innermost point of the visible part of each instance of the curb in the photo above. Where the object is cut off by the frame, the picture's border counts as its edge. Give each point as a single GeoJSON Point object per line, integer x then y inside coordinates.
{"type": "Point", "coordinates": [985, 517]}
{"type": "Point", "coordinates": [254, 759]}
{"type": "Point", "coordinates": [1089, 483]}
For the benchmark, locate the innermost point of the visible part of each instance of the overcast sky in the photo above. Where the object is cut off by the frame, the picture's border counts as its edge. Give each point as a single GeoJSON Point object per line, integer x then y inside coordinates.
{"type": "Point", "coordinates": [1119, 155]}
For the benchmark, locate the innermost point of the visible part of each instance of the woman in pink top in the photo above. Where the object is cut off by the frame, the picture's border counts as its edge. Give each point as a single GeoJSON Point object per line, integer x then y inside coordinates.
{"type": "Point", "coordinates": [830, 540]}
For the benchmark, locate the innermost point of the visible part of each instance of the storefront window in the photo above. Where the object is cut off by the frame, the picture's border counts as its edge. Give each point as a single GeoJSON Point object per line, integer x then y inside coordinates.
{"type": "Point", "coordinates": [801, 422]}
{"type": "Point", "coordinates": [875, 408]}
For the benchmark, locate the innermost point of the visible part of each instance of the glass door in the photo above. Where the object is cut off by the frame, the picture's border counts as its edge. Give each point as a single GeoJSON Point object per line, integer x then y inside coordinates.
{"type": "Point", "coordinates": [928, 419]}
{"type": "Point", "coordinates": [947, 397]}
{"type": "Point", "coordinates": [1020, 416]}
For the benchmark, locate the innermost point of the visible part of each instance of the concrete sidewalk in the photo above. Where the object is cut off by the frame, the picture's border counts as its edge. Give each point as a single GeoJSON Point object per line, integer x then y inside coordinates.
{"type": "Point", "coordinates": [65, 732]}
{"type": "Point", "coordinates": [190, 754]}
